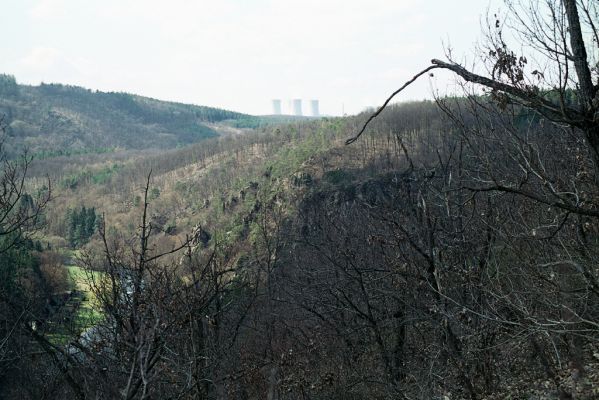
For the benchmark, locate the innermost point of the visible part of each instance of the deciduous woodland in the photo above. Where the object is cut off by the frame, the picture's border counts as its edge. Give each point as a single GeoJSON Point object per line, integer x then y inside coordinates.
{"type": "Point", "coordinates": [443, 249]}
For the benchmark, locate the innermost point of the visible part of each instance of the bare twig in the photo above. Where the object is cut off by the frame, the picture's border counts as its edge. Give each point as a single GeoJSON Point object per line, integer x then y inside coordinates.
{"type": "Point", "coordinates": [381, 108]}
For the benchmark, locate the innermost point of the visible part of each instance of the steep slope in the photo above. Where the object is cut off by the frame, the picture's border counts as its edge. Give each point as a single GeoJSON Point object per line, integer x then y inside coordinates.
{"type": "Point", "coordinates": [373, 264]}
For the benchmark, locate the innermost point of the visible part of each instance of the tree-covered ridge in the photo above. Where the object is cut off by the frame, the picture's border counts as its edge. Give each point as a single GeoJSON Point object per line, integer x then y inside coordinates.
{"type": "Point", "coordinates": [54, 117]}
{"type": "Point", "coordinates": [142, 107]}
{"type": "Point", "coordinates": [8, 85]}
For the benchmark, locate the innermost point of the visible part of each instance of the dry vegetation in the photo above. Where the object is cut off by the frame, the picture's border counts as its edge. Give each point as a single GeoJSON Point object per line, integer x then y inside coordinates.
{"type": "Point", "coordinates": [449, 252]}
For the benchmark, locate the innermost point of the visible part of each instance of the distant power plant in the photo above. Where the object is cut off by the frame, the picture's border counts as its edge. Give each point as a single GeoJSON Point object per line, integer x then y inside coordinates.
{"type": "Point", "coordinates": [297, 107]}
{"type": "Point", "coordinates": [314, 108]}
{"type": "Point", "coordinates": [294, 107]}
{"type": "Point", "coordinates": [276, 107]}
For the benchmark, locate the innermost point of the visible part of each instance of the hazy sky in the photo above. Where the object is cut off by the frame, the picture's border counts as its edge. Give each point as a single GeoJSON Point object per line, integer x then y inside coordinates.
{"type": "Point", "coordinates": [239, 54]}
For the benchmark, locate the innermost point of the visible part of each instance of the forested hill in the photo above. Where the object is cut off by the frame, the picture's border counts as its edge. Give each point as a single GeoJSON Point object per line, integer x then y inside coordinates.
{"type": "Point", "coordinates": [55, 119]}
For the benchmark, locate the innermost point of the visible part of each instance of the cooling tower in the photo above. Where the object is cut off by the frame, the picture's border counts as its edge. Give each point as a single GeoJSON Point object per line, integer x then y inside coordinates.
{"type": "Point", "coordinates": [314, 108]}
{"type": "Point", "coordinates": [297, 107]}
{"type": "Point", "coordinates": [276, 107]}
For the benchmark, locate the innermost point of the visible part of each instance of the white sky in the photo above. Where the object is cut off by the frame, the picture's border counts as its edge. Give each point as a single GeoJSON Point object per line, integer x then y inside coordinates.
{"type": "Point", "coordinates": [239, 54]}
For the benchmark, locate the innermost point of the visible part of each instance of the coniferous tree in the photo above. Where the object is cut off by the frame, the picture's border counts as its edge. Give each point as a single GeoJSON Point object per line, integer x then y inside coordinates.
{"type": "Point", "coordinates": [72, 217]}
{"type": "Point", "coordinates": [82, 225]}
{"type": "Point", "coordinates": [90, 222]}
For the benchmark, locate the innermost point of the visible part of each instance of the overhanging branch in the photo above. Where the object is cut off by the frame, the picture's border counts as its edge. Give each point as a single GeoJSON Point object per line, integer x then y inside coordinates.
{"type": "Point", "coordinates": [527, 97]}
{"type": "Point", "coordinates": [381, 108]}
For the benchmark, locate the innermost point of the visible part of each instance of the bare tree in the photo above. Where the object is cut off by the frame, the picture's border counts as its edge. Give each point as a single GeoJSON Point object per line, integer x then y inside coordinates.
{"type": "Point", "coordinates": [566, 39]}
{"type": "Point", "coordinates": [506, 217]}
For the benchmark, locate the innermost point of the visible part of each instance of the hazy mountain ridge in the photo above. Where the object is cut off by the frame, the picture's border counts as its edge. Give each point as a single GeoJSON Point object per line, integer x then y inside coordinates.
{"type": "Point", "coordinates": [54, 119]}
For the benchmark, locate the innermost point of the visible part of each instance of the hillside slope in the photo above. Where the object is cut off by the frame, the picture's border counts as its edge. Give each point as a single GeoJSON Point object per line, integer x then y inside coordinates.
{"type": "Point", "coordinates": [54, 119]}
{"type": "Point", "coordinates": [344, 272]}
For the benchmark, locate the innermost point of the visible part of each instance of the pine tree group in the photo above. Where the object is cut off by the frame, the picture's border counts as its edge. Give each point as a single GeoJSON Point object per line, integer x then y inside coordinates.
{"type": "Point", "coordinates": [82, 225]}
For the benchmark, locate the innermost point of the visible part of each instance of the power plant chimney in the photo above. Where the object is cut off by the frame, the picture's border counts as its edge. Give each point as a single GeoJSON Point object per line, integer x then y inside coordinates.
{"type": "Point", "coordinates": [276, 106]}
{"type": "Point", "coordinates": [314, 108]}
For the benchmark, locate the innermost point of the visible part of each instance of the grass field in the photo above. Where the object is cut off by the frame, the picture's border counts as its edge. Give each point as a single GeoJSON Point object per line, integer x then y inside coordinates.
{"type": "Point", "coordinates": [89, 312]}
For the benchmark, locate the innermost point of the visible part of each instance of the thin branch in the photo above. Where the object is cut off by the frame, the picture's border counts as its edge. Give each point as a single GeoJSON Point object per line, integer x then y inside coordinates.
{"type": "Point", "coordinates": [381, 108]}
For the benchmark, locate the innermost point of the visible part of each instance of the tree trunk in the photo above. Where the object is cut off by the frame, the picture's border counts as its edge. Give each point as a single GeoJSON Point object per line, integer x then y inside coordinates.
{"type": "Point", "coordinates": [579, 54]}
